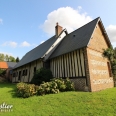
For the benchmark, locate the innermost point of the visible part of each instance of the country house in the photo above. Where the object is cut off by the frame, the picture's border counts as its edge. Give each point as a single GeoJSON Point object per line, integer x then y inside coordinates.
{"type": "Point", "coordinates": [77, 55]}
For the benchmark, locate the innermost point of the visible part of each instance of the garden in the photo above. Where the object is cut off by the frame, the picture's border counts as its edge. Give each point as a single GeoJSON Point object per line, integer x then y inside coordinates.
{"type": "Point", "coordinates": [72, 103]}
{"type": "Point", "coordinates": [54, 97]}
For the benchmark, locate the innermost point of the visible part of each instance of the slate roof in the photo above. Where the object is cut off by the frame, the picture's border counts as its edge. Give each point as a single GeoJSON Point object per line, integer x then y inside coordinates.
{"type": "Point", "coordinates": [11, 64]}
{"type": "Point", "coordinates": [76, 40]}
{"type": "Point", "coordinates": [6, 65]}
{"type": "Point", "coordinates": [37, 52]}
{"type": "Point", "coordinates": [73, 41]}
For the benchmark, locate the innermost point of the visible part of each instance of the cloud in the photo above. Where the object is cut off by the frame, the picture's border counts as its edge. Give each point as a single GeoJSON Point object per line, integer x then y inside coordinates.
{"type": "Point", "coordinates": [67, 17]}
{"type": "Point", "coordinates": [14, 44]}
{"type": "Point", "coordinates": [10, 43]}
{"type": "Point", "coordinates": [111, 30]}
{"type": "Point", "coordinates": [79, 7]}
{"type": "Point", "coordinates": [25, 44]}
{"type": "Point", "coordinates": [1, 21]}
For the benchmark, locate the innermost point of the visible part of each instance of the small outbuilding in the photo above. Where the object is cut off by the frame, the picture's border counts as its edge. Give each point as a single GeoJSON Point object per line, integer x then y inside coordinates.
{"type": "Point", "coordinates": [7, 66]}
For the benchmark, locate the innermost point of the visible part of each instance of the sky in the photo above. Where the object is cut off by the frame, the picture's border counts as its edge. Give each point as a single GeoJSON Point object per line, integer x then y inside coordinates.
{"type": "Point", "coordinates": [25, 24]}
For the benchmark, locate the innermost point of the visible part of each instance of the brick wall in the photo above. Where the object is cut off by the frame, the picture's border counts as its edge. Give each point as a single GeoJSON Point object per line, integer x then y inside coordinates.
{"type": "Point", "coordinates": [97, 66]}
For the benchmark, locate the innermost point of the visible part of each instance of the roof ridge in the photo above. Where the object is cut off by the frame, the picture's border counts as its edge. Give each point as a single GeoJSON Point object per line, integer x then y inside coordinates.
{"type": "Point", "coordinates": [82, 41]}
{"type": "Point", "coordinates": [38, 46]}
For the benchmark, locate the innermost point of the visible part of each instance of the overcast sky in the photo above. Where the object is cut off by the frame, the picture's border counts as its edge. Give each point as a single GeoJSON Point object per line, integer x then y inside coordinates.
{"type": "Point", "coordinates": [24, 24]}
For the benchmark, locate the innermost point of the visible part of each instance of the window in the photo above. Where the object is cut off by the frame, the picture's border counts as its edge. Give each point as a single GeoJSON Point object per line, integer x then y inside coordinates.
{"type": "Point", "coordinates": [19, 78]}
{"type": "Point", "coordinates": [14, 74]}
{"type": "Point", "coordinates": [11, 72]}
{"type": "Point", "coordinates": [23, 73]}
{"type": "Point", "coordinates": [34, 69]}
{"type": "Point", "coordinates": [109, 69]}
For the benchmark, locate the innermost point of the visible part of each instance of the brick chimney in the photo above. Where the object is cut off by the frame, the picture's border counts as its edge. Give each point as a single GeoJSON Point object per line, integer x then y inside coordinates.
{"type": "Point", "coordinates": [58, 29]}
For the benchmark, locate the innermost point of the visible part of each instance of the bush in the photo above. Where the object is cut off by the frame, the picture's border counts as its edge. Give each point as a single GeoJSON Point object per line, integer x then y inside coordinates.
{"type": "Point", "coordinates": [40, 90]}
{"type": "Point", "coordinates": [54, 86]}
{"type": "Point", "coordinates": [47, 88]}
{"type": "Point", "coordinates": [25, 90]}
{"type": "Point", "coordinates": [41, 75]}
{"type": "Point", "coordinates": [69, 85]}
{"type": "Point", "coordinates": [60, 84]}
{"type": "Point", "coordinates": [2, 72]}
{"type": "Point", "coordinates": [64, 84]}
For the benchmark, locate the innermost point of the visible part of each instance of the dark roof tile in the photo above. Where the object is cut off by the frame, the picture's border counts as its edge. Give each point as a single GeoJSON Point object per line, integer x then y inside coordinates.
{"type": "Point", "coordinates": [37, 52]}
{"type": "Point", "coordinates": [11, 64]}
{"type": "Point", "coordinates": [76, 40]}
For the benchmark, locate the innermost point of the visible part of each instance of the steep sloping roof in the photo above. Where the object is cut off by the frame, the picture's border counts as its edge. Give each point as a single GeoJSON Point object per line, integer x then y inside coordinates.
{"type": "Point", "coordinates": [11, 64]}
{"type": "Point", "coordinates": [76, 40]}
{"type": "Point", "coordinates": [37, 52]}
{"type": "Point", "coordinates": [73, 41]}
{"type": "Point", "coordinates": [3, 65]}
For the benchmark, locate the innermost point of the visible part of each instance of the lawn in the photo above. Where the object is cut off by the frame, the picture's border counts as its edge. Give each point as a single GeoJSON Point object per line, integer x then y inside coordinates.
{"type": "Point", "coordinates": [101, 103]}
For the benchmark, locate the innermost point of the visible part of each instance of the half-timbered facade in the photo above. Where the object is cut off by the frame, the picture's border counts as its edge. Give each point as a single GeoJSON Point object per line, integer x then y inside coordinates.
{"type": "Point", "coordinates": [77, 55]}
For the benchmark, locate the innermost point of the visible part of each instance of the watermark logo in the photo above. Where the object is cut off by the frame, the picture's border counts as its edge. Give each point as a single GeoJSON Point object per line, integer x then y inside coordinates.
{"type": "Point", "coordinates": [6, 107]}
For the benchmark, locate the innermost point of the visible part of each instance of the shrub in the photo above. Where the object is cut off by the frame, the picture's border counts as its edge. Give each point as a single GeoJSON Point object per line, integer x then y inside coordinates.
{"type": "Point", "coordinates": [69, 85]}
{"type": "Point", "coordinates": [54, 86]}
{"type": "Point", "coordinates": [64, 84]}
{"type": "Point", "coordinates": [60, 84]}
{"type": "Point", "coordinates": [47, 88]}
{"type": "Point", "coordinates": [41, 75]}
{"type": "Point", "coordinates": [2, 72]}
{"type": "Point", "coordinates": [25, 90]}
{"type": "Point", "coordinates": [40, 90]}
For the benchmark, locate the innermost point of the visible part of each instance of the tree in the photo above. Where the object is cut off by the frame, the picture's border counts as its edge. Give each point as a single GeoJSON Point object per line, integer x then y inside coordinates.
{"type": "Point", "coordinates": [1, 57]}
{"type": "Point", "coordinates": [41, 75]}
{"type": "Point", "coordinates": [12, 59]}
{"type": "Point", "coordinates": [7, 58]}
{"type": "Point", "coordinates": [110, 53]}
{"type": "Point", "coordinates": [17, 59]}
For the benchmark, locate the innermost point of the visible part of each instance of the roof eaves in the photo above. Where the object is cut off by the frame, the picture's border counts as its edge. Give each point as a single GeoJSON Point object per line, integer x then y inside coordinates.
{"type": "Point", "coordinates": [105, 34]}
{"type": "Point", "coordinates": [26, 63]}
{"type": "Point", "coordinates": [69, 52]}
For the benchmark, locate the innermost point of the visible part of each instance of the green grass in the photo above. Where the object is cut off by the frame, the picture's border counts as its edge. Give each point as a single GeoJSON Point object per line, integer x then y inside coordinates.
{"type": "Point", "coordinates": [101, 103]}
